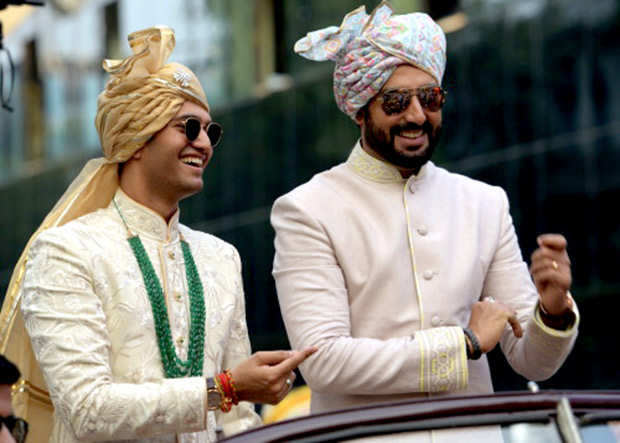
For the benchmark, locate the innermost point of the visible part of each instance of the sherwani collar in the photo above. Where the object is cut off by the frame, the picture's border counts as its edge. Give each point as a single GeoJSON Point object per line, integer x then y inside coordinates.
{"type": "Point", "coordinates": [144, 221]}
{"type": "Point", "coordinates": [374, 169]}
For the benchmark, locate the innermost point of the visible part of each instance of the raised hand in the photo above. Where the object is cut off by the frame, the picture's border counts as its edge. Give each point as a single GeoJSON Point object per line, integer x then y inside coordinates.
{"type": "Point", "coordinates": [266, 377]}
{"type": "Point", "coordinates": [551, 272]}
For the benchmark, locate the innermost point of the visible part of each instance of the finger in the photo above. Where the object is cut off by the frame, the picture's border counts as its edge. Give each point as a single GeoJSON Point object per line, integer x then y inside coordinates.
{"type": "Point", "coordinates": [309, 351]}
{"type": "Point", "coordinates": [286, 387]}
{"type": "Point", "coordinates": [550, 276]}
{"type": "Point", "coordinates": [543, 253]}
{"type": "Point", "coordinates": [272, 357]}
{"type": "Point", "coordinates": [553, 241]}
{"type": "Point", "coordinates": [547, 264]}
{"type": "Point", "coordinates": [515, 325]}
{"type": "Point", "coordinates": [294, 360]}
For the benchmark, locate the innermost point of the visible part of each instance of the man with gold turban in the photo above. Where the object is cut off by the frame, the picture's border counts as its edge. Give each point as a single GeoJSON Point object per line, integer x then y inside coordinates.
{"type": "Point", "coordinates": [136, 321]}
{"type": "Point", "coordinates": [401, 273]}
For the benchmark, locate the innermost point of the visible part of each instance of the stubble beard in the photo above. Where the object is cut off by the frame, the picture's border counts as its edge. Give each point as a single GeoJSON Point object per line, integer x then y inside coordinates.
{"type": "Point", "coordinates": [383, 143]}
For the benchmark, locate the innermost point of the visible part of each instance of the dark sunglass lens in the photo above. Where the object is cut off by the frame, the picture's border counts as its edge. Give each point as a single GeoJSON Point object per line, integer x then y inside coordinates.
{"type": "Point", "coordinates": [192, 129]}
{"type": "Point", "coordinates": [214, 131]}
{"type": "Point", "coordinates": [431, 98]}
{"type": "Point", "coordinates": [20, 431]}
{"type": "Point", "coordinates": [395, 102]}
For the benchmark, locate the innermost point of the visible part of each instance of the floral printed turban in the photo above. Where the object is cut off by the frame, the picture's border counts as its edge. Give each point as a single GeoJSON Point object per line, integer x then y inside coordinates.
{"type": "Point", "coordinates": [368, 49]}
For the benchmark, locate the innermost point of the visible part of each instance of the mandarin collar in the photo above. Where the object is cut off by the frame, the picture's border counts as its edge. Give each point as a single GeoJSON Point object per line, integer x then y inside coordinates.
{"type": "Point", "coordinates": [144, 221]}
{"type": "Point", "coordinates": [374, 169]}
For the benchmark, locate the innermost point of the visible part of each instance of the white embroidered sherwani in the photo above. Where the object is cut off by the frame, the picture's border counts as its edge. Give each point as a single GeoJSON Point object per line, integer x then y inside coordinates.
{"type": "Point", "coordinates": [381, 273]}
{"type": "Point", "coordinates": [90, 321]}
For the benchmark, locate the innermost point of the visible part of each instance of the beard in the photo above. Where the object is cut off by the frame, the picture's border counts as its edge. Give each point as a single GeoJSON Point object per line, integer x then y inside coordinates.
{"type": "Point", "coordinates": [383, 143]}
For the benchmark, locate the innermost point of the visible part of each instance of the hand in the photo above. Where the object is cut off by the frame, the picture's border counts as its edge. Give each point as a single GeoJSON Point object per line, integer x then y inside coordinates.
{"type": "Point", "coordinates": [488, 321]}
{"type": "Point", "coordinates": [262, 378]}
{"type": "Point", "coordinates": [551, 272]}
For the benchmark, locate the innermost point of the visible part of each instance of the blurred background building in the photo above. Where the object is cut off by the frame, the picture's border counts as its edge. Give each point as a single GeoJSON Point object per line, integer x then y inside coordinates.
{"type": "Point", "coordinates": [534, 107]}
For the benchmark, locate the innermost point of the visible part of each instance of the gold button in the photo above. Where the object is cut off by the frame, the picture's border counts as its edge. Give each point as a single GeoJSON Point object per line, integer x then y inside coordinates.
{"type": "Point", "coordinates": [171, 254]}
{"type": "Point", "coordinates": [180, 341]}
{"type": "Point", "coordinates": [178, 296]}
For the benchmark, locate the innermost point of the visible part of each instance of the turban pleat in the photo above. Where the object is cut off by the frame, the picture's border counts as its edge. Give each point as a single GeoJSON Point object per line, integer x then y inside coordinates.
{"type": "Point", "coordinates": [368, 48]}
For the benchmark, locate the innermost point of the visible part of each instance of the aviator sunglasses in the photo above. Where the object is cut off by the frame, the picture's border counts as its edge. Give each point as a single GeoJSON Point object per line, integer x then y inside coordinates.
{"type": "Point", "coordinates": [192, 127]}
{"type": "Point", "coordinates": [395, 101]}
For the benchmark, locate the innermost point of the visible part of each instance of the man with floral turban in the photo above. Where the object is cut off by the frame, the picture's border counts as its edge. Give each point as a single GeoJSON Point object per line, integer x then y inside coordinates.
{"type": "Point", "coordinates": [136, 321]}
{"type": "Point", "coordinates": [402, 274]}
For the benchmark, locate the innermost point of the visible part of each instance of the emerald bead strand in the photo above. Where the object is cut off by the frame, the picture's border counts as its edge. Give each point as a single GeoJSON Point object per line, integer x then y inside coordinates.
{"type": "Point", "coordinates": [174, 367]}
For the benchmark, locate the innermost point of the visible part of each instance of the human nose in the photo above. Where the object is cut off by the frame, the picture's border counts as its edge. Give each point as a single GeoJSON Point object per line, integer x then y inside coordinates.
{"type": "Point", "coordinates": [414, 113]}
{"type": "Point", "coordinates": [202, 142]}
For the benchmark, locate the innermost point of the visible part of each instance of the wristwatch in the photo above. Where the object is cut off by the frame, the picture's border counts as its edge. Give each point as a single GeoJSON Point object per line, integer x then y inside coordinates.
{"type": "Point", "coordinates": [214, 396]}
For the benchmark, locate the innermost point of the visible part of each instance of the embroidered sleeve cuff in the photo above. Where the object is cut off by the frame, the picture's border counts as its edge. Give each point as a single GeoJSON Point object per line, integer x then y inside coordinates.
{"type": "Point", "coordinates": [443, 360]}
{"type": "Point", "coordinates": [568, 332]}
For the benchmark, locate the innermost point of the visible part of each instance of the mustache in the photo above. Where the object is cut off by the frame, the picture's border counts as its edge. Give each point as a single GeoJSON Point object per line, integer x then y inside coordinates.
{"type": "Point", "coordinates": [426, 128]}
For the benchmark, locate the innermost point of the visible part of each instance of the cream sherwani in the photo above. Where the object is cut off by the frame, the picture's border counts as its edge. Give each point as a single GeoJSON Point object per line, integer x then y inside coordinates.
{"type": "Point", "coordinates": [90, 321]}
{"type": "Point", "coordinates": [381, 274]}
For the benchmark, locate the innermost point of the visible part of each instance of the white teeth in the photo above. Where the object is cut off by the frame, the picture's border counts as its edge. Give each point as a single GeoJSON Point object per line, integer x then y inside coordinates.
{"type": "Point", "coordinates": [411, 134]}
{"type": "Point", "coordinates": [192, 161]}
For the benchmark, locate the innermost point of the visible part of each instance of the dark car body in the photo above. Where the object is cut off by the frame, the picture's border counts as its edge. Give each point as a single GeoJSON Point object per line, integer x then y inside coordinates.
{"type": "Point", "coordinates": [589, 416]}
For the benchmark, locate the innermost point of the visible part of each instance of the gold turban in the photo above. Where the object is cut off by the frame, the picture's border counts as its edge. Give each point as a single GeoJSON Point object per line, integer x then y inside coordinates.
{"type": "Point", "coordinates": [141, 97]}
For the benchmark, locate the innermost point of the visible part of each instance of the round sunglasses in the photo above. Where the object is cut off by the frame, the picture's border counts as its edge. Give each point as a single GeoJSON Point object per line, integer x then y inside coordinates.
{"type": "Point", "coordinates": [193, 126]}
{"type": "Point", "coordinates": [396, 101]}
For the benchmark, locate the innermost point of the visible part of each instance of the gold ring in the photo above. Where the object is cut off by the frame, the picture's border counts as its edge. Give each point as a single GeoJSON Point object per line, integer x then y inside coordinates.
{"type": "Point", "coordinates": [554, 264]}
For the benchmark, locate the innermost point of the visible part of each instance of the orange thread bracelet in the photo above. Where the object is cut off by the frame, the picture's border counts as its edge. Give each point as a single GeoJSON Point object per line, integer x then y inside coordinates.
{"type": "Point", "coordinates": [233, 388]}
{"type": "Point", "coordinates": [227, 403]}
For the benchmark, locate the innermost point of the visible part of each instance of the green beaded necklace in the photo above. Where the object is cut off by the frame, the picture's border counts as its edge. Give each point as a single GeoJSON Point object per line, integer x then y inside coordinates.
{"type": "Point", "coordinates": [174, 367]}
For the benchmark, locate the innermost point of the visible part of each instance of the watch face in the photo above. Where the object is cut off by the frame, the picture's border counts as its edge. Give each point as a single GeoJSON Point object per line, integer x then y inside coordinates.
{"type": "Point", "coordinates": [214, 399]}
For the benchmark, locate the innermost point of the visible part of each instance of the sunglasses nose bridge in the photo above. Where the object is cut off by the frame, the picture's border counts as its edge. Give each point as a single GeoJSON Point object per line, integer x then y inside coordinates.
{"type": "Point", "coordinates": [414, 112]}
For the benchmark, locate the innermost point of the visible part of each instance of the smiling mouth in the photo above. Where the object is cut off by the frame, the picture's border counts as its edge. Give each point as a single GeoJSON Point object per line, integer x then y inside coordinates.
{"type": "Point", "coordinates": [193, 161]}
{"type": "Point", "coordinates": [411, 134]}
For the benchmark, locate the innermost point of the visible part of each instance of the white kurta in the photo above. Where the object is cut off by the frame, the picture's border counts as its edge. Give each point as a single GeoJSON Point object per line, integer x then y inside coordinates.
{"type": "Point", "coordinates": [381, 273]}
{"type": "Point", "coordinates": [90, 321]}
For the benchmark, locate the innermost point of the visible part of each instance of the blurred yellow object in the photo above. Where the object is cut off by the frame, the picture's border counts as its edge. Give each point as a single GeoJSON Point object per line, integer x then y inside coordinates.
{"type": "Point", "coordinates": [295, 404]}
{"type": "Point", "coordinates": [13, 16]}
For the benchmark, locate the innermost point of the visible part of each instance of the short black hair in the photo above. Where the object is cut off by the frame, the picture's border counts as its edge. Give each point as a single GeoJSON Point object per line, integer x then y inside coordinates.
{"type": "Point", "coordinates": [9, 374]}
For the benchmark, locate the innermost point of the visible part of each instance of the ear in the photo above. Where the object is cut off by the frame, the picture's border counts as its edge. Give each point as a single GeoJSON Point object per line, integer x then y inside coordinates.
{"type": "Point", "coordinates": [138, 154]}
{"type": "Point", "coordinates": [359, 117]}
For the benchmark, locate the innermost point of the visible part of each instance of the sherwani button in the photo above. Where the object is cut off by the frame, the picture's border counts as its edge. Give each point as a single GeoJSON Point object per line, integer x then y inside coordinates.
{"type": "Point", "coordinates": [435, 321]}
{"type": "Point", "coordinates": [412, 187]}
{"type": "Point", "coordinates": [177, 296]}
{"type": "Point", "coordinates": [428, 274]}
{"type": "Point", "coordinates": [171, 254]}
{"type": "Point", "coordinates": [422, 230]}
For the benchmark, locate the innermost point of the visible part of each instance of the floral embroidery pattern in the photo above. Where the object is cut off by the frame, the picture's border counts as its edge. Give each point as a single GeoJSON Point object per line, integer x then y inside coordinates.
{"type": "Point", "coordinates": [182, 77]}
{"type": "Point", "coordinates": [87, 313]}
